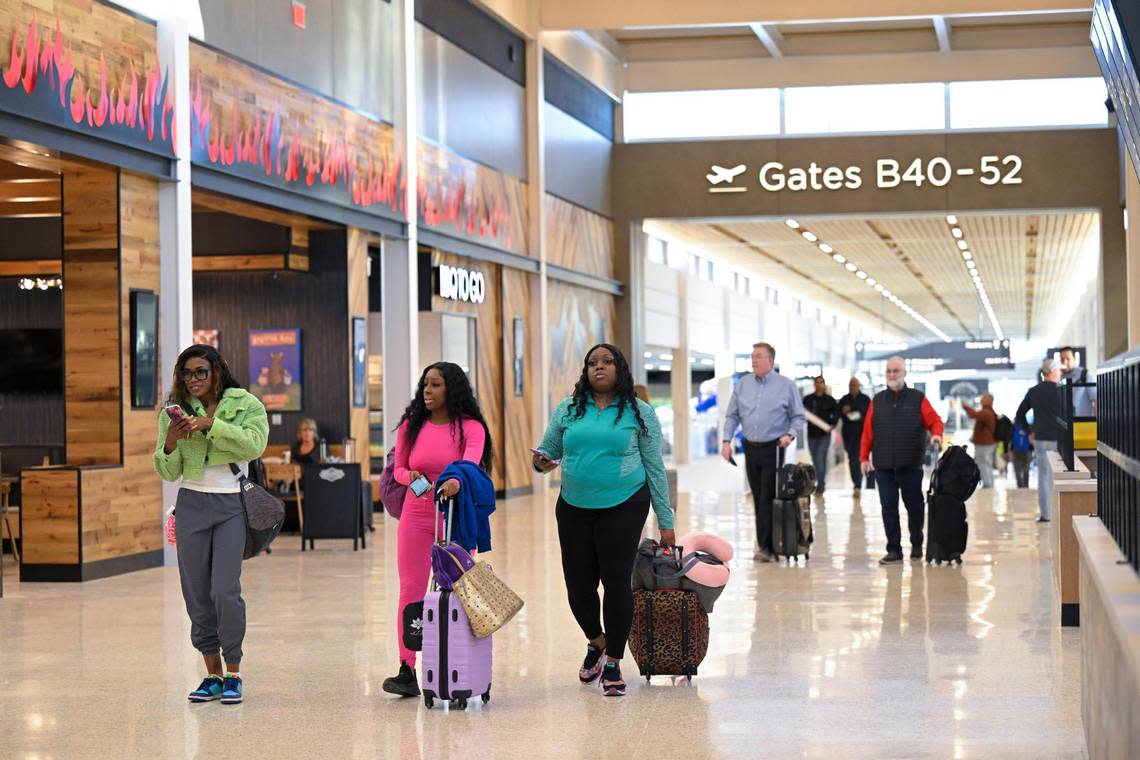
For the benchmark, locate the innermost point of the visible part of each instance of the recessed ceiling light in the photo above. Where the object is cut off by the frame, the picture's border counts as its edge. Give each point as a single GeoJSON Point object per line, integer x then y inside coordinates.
{"type": "Point", "coordinates": [851, 267]}
{"type": "Point", "coordinates": [870, 280]}
{"type": "Point", "coordinates": [956, 232]}
{"type": "Point", "coordinates": [861, 274]}
{"type": "Point", "coordinates": [792, 223]}
{"type": "Point", "coordinates": [967, 255]}
{"type": "Point", "coordinates": [811, 237]}
{"type": "Point", "coordinates": [648, 366]}
{"type": "Point", "coordinates": [963, 244]}
{"type": "Point", "coordinates": [648, 354]}
{"type": "Point", "coordinates": [825, 248]}
{"type": "Point", "coordinates": [665, 357]}
{"type": "Point", "coordinates": [971, 265]}
{"type": "Point", "coordinates": [879, 287]}
{"type": "Point", "coordinates": [951, 219]}
{"type": "Point", "coordinates": [839, 257]}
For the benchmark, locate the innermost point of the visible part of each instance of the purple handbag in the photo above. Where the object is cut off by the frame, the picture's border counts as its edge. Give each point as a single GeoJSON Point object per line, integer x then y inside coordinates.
{"type": "Point", "coordinates": [391, 493]}
{"type": "Point", "coordinates": [449, 561]}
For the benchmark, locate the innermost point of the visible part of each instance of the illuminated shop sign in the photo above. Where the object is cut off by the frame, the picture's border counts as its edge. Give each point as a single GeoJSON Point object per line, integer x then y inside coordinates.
{"type": "Point", "coordinates": [931, 357]}
{"type": "Point", "coordinates": [461, 284]}
{"type": "Point", "coordinates": [885, 174]}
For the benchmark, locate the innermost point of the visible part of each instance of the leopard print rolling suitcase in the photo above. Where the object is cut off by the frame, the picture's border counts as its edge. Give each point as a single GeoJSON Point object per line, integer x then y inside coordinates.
{"type": "Point", "coordinates": [670, 634]}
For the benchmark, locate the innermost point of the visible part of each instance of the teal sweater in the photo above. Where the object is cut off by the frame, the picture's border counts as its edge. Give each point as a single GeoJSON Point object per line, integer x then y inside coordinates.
{"type": "Point", "coordinates": [604, 464]}
{"type": "Point", "coordinates": [239, 434]}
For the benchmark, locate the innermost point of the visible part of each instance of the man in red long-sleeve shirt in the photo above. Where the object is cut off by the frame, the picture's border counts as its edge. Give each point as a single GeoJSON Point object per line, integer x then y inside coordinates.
{"type": "Point", "coordinates": [894, 439]}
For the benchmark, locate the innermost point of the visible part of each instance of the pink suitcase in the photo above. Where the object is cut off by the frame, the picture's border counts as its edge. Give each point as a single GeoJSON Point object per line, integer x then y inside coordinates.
{"type": "Point", "coordinates": [456, 666]}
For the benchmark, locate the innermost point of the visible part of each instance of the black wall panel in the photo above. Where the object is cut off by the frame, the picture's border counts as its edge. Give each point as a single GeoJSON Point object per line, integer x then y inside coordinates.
{"type": "Point", "coordinates": [30, 419]}
{"type": "Point", "coordinates": [566, 90]}
{"type": "Point", "coordinates": [316, 302]}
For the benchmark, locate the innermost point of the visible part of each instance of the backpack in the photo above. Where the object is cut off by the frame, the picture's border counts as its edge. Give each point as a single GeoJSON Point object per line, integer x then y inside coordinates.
{"type": "Point", "coordinates": [795, 481]}
{"type": "Point", "coordinates": [956, 474]}
{"type": "Point", "coordinates": [1003, 430]}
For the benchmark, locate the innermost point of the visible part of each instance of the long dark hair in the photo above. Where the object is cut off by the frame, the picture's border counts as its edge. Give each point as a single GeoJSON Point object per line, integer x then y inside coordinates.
{"type": "Point", "coordinates": [219, 369]}
{"type": "Point", "coordinates": [623, 388]}
{"type": "Point", "coordinates": [461, 405]}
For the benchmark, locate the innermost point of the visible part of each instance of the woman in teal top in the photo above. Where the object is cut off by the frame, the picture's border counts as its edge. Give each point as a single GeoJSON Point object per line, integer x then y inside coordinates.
{"type": "Point", "coordinates": [609, 445]}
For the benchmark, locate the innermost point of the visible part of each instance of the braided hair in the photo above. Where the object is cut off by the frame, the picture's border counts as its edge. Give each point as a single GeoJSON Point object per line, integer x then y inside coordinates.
{"type": "Point", "coordinates": [461, 405]}
{"type": "Point", "coordinates": [623, 388]}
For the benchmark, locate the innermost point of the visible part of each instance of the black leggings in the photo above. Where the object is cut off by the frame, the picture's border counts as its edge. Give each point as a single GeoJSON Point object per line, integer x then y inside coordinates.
{"type": "Point", "coordinates": [601, 545]}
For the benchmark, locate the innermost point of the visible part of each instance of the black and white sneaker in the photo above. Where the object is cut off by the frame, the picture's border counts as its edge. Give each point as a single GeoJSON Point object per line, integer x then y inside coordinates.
{"type": "Point", "coordinates": [592, 665]}
{"type": "Point", "coordinates": [612, 683]}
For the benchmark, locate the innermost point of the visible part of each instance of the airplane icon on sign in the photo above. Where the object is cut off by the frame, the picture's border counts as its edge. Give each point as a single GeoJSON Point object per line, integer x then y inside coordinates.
{"type": "Point", "coordinates": [720, 174]}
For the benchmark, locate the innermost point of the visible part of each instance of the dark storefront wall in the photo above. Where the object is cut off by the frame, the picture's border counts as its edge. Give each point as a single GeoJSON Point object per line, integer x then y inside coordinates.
{"type": "Point", "coordinates": [316, 302]}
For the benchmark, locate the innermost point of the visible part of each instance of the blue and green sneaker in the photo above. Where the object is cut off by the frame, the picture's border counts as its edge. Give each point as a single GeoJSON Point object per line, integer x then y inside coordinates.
{"type": "Point", "coordinates": [231, 690]}
{"type": "Point", "coordinates": [210, 690]}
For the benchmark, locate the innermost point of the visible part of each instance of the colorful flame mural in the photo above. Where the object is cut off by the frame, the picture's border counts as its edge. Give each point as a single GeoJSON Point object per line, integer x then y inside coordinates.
{"type": "Point", "coordinates": [43, 80]}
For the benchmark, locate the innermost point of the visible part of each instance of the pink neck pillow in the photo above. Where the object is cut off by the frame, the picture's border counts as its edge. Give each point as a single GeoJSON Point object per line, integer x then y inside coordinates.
{"type": "Point", "coordinates": [705, 573]}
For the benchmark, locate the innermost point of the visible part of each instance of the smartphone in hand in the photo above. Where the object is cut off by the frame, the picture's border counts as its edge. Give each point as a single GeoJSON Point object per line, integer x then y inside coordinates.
{"type": "Point", "coordinates": [175, 412]}
{"type": "Point", "coordinates": [544, 456]}
{"type": "Point", "coordinates": [420, 485]}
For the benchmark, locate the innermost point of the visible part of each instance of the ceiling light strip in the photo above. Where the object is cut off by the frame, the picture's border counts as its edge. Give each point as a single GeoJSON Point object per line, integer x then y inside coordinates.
{"type": "Point", "coordinates": [854, 269]}
{"type": "Point", "coordinates": [959, 236]}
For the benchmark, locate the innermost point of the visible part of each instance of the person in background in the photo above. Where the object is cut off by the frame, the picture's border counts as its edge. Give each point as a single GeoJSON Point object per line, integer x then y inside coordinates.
{"type": "Point", "coordinates": [853, 412]}
{"type": "Point", "coordinates": [822, 405]}
{"type": "Point", "coordinates": [1045, 401]}
{"type": "Point", "coordinates": [1084, 398]}
{"type": "Point", "coordinates": [218, 424]}
{"type": "Point", "coordinates": [985, 425]}
{"type": "Point", "coordinates": [442, 423]}
{"type": "Point", "coordinates": [767, 407]}
{"type": "Point", "coordinates": [609, 444]}
{"type": "Point", "coordinates": [894, 441]}
{"type": "Point", "coordinates": [305, 449]}
{"type": "Point", "coordinates": [1021, 451]}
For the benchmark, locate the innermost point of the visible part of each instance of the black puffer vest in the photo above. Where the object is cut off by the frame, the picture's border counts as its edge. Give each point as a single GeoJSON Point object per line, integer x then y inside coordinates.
{"type": "Point", "coordinates": [898, 436]}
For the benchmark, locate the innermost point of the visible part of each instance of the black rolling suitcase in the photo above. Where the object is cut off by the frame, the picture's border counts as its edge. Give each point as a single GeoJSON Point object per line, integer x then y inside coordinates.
{"type": "Point", "coordinates": [791, 510]}
{"type": "Point", "coordinates": [952, 482]}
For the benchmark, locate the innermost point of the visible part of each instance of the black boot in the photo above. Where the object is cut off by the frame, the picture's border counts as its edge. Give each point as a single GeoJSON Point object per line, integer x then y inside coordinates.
{"type": "Point", "coordinates": [403, 683]}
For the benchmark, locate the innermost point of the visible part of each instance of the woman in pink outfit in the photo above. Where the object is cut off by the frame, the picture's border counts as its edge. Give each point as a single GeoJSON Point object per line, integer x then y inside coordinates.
{"type": "Point", "coordinates": [443, 423]}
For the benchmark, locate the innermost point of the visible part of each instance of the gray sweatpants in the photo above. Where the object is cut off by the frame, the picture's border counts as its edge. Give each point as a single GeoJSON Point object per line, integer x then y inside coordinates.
{"type": "Point", "coordinates": [210, 535]}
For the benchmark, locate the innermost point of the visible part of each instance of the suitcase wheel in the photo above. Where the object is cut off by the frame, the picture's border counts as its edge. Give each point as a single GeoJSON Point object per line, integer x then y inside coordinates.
{"type": "Point", "coordinates": [428, 701]}
{"type": "Point", "coordinates": [486, 696]}
{"type": "Point", "coordinates": [461, 703]}
{"type": "Point", "coordinates": [689, 679]}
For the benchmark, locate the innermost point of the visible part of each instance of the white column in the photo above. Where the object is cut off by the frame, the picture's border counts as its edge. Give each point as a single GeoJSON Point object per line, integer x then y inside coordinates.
{"type": "Point", "coordinates": [681, 379]}
{"type": "Point", "coordinates": [538, 371]}
{"type": "Point", "coordinates": [176, 275]}
{"type": "Point", "coordinates": [398, 258]}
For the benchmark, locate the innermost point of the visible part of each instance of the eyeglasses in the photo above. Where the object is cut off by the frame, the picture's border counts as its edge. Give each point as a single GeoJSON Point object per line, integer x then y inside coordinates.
{"type": "Point", "coordinates": [194, 374]}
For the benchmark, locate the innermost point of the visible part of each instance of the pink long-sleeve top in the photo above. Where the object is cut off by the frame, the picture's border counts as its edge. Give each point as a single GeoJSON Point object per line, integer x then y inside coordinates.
{"type": "Point", "coordinates": [436, 447]}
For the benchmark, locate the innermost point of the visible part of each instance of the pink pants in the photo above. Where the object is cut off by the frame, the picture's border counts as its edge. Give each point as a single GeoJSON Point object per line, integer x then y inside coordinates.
{"type": "Point", "coordinates": [414, 538]}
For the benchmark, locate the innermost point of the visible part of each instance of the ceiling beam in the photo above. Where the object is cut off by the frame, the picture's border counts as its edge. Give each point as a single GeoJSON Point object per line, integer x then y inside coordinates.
{"type": "Point", "coordinates": [607, 14]}
{"type": "Point", "coordinates": [801, 71]}
{"type": "Point", "coordinates": [770, 38]}
{"type": "Point", "coordinates": [942, 32]}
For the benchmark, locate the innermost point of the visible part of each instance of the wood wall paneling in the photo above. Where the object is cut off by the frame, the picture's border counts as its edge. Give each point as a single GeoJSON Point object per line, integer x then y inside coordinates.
{"type": "Point", "coordinates": [122, 507]}
{"type": "Point", "coordinates": [49, 516]}
{"type": "Point", "coordinates": [518, 411]}
{"type": "Point", "coordinates": [92, 329]}
{"type": "Point", "coordinates": [578, 319]}
{"type": "Point", "coordinates": [489, 380]}
{"type": "Point", "coordinates": [357, 308]}
{"type": "Point", "coordinates": [578, 239]}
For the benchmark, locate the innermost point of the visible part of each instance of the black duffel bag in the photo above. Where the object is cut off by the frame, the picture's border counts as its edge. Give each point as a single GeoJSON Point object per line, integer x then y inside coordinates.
{"type": "Point", "coordinates": [956, 474]}
{"type": "Point", "coordinates": [264, 514]}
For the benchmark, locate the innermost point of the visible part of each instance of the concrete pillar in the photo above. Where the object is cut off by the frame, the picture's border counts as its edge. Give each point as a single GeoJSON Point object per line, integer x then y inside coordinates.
{"type": "Point", "coordinates": [681, 379]}
{"type": "Point", "coordinates": [538, 371]}
{"type": "Point", "coordinates": [629, 269]}
{"type": "Point", "coordinates": [398, 258]}
{"type": "Point", "coordinates": [1132, 245]}
{"type": "Point", "coordinates": [176, 275]}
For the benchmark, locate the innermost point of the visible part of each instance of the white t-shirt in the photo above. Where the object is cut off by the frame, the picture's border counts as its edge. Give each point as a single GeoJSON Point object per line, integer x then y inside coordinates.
{"type": "Point", "coordinates": [217, 479]}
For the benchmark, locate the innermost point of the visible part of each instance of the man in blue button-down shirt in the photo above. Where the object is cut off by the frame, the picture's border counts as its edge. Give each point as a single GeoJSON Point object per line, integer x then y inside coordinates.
{"type": "Point", "coordinates": [768, 409]}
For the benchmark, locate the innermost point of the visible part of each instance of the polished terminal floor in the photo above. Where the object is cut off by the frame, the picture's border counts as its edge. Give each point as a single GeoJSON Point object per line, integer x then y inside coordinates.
{"type": "Point", "coordinates": [840, 658]}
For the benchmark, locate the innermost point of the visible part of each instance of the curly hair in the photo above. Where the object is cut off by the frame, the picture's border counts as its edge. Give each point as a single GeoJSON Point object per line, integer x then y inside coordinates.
{"type": "Point", "coordinates": [461, 405]}
{"type": "Point", "coordinates": [219, 370]}
{"type": "Point", "coordinates": [623, 388]}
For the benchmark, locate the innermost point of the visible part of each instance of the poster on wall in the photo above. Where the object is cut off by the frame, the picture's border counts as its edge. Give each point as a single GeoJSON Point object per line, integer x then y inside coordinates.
{"type": "Point", "coordinates": [359, 357]}
{"type": "Point", "coordinates": [275, 368]}
{"type": "Point", "coordinates": [211, 338]}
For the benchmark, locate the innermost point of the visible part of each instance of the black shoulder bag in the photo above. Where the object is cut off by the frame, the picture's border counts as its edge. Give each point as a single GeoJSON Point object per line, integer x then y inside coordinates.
{"type": "Point", "coordinates": [264, 514]}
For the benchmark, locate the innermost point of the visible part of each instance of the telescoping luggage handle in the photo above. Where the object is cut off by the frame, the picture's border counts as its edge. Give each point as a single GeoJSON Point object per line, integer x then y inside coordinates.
{"type": "Point", "coordinates": [441, 540]}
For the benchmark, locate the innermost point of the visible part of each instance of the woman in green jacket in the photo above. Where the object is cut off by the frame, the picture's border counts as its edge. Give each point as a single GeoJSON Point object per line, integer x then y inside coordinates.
{"type": "Point", "coordinates": [215, 424]}
{"type": "Point", "coordinates": [609, 444]}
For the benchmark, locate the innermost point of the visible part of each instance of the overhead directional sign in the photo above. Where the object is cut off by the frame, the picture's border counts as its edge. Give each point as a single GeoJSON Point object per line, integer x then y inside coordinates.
{"type": "Point", "coordinates": [931, 357]}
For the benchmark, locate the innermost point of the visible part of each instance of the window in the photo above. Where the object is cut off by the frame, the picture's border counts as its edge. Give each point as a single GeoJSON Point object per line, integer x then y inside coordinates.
{"type": "Point", "coordinates": [707, 271]}
{"type": "Point", "coordinates": [1028, 103]}
{"type": "Point", "coordinates": [865, 108]}
{"type": "Point", "coordinates": [655, 251]}
{"type": "Point", "coordinates": [694, 265]}
{"type": "Point", "coordinates": [700, 114]}
{"type": "Point", "coordinates": [741, 284]}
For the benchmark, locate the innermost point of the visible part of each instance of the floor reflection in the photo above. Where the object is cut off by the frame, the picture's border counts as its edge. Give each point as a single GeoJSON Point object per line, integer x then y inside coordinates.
{"type": "Point", "coordinates": [835, 658]}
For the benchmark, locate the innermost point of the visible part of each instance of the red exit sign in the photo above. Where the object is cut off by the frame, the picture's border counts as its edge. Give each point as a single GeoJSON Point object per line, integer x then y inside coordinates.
{"type": "Point", "coordinates": [299, 15]}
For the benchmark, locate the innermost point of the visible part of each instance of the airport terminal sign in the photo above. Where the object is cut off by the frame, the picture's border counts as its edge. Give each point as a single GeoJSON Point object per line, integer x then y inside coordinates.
{"type": "Point", "coordinates": [885, 173]}
{"type": "Point", "coordinates": [931, 357]}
